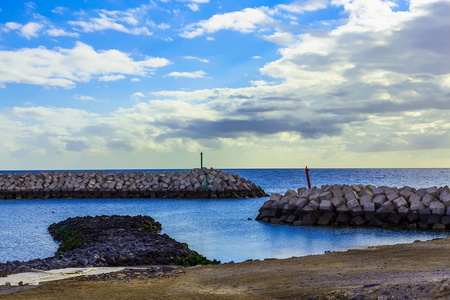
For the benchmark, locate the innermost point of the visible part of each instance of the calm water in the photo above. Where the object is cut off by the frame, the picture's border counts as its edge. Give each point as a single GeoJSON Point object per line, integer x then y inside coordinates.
{"type": "Point", "coordinates": [219, 228]}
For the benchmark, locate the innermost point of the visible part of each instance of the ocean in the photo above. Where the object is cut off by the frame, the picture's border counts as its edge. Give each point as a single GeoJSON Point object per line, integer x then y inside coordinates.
{"type": "Point", "coordinates": [220, 228]}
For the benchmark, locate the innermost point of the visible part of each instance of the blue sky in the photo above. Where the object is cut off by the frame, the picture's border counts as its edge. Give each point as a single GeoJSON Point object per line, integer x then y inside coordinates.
{"type": "Point", "coordinates": [150, 84]}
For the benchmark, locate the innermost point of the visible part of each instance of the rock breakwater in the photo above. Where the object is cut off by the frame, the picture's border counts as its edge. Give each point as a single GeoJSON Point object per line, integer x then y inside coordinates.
{"type": "Point", "coordinates": [92, 185]}
{"type": "Point", "coordinates": [104, 241]}
{"type": "Point", "coordinates": [359, 205]}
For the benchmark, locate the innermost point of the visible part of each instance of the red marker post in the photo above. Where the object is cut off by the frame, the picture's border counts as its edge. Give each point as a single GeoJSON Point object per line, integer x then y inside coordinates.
{"type": "Point", "coordinates": [307, 177]}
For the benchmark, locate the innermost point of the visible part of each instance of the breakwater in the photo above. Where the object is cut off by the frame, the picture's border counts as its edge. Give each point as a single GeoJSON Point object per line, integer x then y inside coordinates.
{"type": "Point", "coordinates": [103, 241]}
{"type": "Point", "coordinates": [359, 205]}
{"type": "Point", "coordinates": [93, 185]}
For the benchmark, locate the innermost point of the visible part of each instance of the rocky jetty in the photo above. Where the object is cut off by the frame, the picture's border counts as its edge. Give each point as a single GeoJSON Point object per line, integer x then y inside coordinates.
{"type": "Point", "coordinates": [104, 241]}
{"type": "Point", "coordinates": [359, 205]}
{"type": "Point", "coordinates": [93, 185]}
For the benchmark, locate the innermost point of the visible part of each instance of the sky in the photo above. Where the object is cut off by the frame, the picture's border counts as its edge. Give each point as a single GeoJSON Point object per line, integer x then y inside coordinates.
{"type": "Point", "coordinates": [138, 84]}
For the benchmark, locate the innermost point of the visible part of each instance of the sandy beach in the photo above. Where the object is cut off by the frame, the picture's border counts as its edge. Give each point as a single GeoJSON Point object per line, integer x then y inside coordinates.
{"type": "Point", "coordinates": [420, 270]}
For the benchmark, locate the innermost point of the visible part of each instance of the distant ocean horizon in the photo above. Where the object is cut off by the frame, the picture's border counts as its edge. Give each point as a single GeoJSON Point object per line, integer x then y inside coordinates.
{"type": "Point", "coordinates": [219, 228]}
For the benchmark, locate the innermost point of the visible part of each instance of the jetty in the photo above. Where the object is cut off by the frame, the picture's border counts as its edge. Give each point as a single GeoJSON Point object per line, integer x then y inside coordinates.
{"type": "Point", "coordinates": [195, 183]}
{"type": "Point", "coordinates": [359, 205]}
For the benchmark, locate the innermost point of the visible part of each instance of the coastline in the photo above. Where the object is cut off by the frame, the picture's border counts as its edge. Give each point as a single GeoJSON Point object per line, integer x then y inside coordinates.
{"type": "Point", "coordinates": [419, 270]}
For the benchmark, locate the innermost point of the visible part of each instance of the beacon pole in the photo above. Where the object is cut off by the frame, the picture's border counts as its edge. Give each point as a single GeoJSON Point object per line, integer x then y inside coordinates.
{"type": "Point", "coordinates": [201, 166]}
{"type": "Point", "coordinates": [307, 177]}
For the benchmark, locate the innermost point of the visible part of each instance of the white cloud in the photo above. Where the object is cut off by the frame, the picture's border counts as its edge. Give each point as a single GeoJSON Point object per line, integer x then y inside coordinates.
{"type": "Point", "coordinates": [127, 21]}
{"type": "Point", "coordinates": [303, 6]}
{"type": "Point", "coordinates": [193, 6]}
{"type": "Point", "coordinates": [11, 26]}
{"type": "Point", "coordinates": [195, 74]}
{"type": "Point", "coordinates": [56, 32]}
{"type": "Point", "coordinates": [64, 67]}
{"type": "Point", "coordinates": [135, 79]}
{"type": "Point", "coordinates": [31, 29]}
{"type": "Point", "coordinates": [280, 38]}
{"type": "Point", "coordinates": [59, 10]}
{"type": "Point", "coordinates": [28, 30]}
{"type": "Point", "coordinates": [111, 77]}
{"type": "Point", "coordinates": [256, 57]}
{"type": "Point", "coordinates": [86, 98]}
{"type": "Point", "coordinates": [197, 58]}
{"type": "Point", "coordinates": [138, 95]}
{"type": "Point", "coordinates": [245, 21]}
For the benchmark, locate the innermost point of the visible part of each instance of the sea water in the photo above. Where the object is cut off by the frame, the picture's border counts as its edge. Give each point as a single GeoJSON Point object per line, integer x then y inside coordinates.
{"type": "Point", "coordinates": [220, 228]}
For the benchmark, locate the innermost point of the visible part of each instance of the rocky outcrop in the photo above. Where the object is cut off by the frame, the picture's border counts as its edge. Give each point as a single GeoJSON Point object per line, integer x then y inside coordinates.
{"type": "Point", "coordinates": [92, 185]}
{"type": "Point", "coordinates": [360, 205]}
{"type": "Point", "coordinates": [103, 241]}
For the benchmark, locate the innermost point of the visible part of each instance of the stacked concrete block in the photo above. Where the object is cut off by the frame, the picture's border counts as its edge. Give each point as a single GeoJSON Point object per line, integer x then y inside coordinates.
{"type": "Point", "coordinates": [92, 185]}
{"type": "Point", "coordinates": [358, 205]}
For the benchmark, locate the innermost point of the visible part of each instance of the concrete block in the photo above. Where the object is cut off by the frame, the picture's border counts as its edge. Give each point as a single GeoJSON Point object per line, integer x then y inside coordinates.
{"type": "Point", "coordinates": [376, 222]}
{"type": "Point", "coordinates": [433, 191]}
{"type": "Point", "coordinates": [399, 202]}
{"type": "Point", "coordinates": [433, 219]}
{"type": "Point", "coordinates": [302, 202]}
{"type": "Point", "coordinates": [351, 196]}
{"type": "Point", "coordinates": [414, 198]}
{"type": "Point", "coordinates": [413, 217]}
{"type": "Point", "coordinates": [326, 205]}
{"type": "Point", "coordinates": [438, 211]}
{"type": "Point", "coordinates": [387, 207]}
{"type": "Point", "coordinates": [405, 192]}
{"type": "Point", "coordinates": [342, 209]}
{"type": "Point", "coordinates": [365, 199]}
{"type": "Point", "coordinates": [418, 205]}
{"type": "Point", "coordinates": [342, 218]}
{"type": "Point", "coordinates": [323, 221]}
{"type": "Point", "coordinates": [437, 204]}
{"type": "Point", "coordinates": [297, 223]}
{"type": "Point", "coordinates": [378, 191]}
{"type": "Point", "coordinates": [314, 204]}
{"type": "Point", "coordinates": [309, 219]}
{"type": "Point", "coordinates": [379, 200]}
{"type": "Point", "coordinates": [358, 221]}
{"type": "Point", "coordinates": [337, 192]}
{"type": "Point", "coordinates": [392, 196]}
{"type": "Point", "coordinates": [352, 203]}
{"type": "Point", "coordinates": [325, 196]}
{"type": "Point", "coordinates": [291, 219]}
{"type": "Point", "coordinates": [306, 194]}
{"type": "Point", "coordinates": [427, 199]}
{"type": "Point", "coordinates": [369, 216]}
{"type": "Point", "coordinates": [412, 226]}
{"type": "Point", "coordinates": [356, 188]}
{"type": "Point", "coordinates": [403, 210]}
{"type": "Point", "coordinates": [369, 207]}
{"type": "Point", "coordinates": [337, 201]}
{"type": "Point", "coordinates": [445, 220]}
{"type": "Point", "coordinates": [357, 211]}
{"type": "Point", "coordinates": [314, 197]}
{"type": "Point", "coordinates": [275, 197]}
{"type": "Point", "coordinates": [445, 199]}
{"type": "Point", "coordinates": [330, 215]}
{"type": "Point", "coordinates": [394, 219]}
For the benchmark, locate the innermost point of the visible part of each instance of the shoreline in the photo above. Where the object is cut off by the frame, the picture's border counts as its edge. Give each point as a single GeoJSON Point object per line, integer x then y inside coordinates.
{"type": "Point", "coordinates": [419, 270]}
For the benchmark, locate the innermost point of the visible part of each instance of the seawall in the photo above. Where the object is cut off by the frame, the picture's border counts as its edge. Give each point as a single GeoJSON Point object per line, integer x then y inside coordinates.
{"type": "Point", "coordinates": [93, 185]}
{"type": "Point", "coordinates": [359, 205]}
